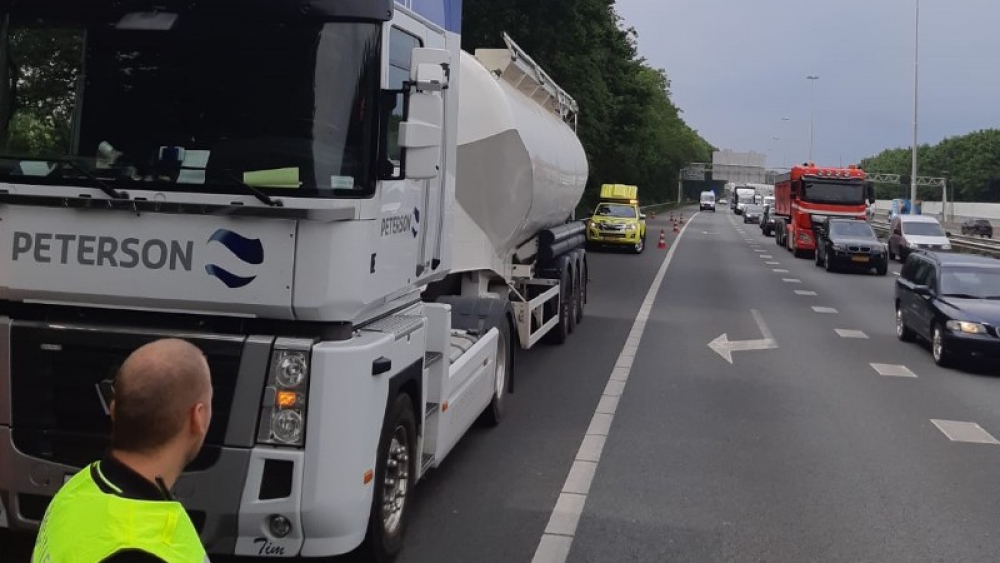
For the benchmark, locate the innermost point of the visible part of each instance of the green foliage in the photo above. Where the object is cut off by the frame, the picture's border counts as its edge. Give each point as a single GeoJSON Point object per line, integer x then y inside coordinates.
{"type": "Point", "coordinates": [970, 162]}
{"type": "Point", "coordinates": [631, 130]}
{"type": "Point", "coordinates": [41, 69]}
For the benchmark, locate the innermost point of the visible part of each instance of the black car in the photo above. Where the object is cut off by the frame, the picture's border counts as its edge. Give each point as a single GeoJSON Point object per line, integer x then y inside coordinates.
{"type": "Point", "coordinates": [752, 213]}
{"type": "Point", "coordinates": [977, 228]}
{"type": "Point", "coordinates": [953, 302]}
{"type": "Point", "coordinates": [850, 244]}
{"type": "Point", "coordinates": [767, 221]}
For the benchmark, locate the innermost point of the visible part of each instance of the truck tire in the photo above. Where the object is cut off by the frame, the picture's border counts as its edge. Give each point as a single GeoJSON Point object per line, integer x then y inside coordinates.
{"type": "Point", "coordinates": [501, 384]}
{"type": "Point", "coordinates": [581, 286]}
{"type": "Point", "coordinates": [561, 331]}
{"type": "Point", "coordinates": [395, 468]}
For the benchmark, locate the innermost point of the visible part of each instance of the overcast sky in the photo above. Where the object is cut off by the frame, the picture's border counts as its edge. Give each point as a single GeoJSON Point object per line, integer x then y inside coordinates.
{"type": "Point", "coordinates": [739, 66]}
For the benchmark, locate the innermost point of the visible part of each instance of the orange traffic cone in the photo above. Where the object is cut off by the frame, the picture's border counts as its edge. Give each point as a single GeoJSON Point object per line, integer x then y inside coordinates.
{"type": "Point", "coordinates": [663, 238]}
{"type": "Point", "coordinates": [677, 229]}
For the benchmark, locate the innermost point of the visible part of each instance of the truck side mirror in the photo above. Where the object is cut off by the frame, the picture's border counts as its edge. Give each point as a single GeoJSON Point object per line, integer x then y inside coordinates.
{"type": "Point", "coordinates": [422, 134]}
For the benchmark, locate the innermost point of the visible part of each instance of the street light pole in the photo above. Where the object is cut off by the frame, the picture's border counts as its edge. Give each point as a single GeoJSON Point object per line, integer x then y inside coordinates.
{"type": "Point", "coordinates": [812, 118]}
{"type": "Point", "coordinates": [916, 112]}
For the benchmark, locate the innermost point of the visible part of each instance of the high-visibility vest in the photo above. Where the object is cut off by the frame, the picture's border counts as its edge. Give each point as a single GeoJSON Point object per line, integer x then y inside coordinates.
{"type": "Point", "coordinates": [83, 524]}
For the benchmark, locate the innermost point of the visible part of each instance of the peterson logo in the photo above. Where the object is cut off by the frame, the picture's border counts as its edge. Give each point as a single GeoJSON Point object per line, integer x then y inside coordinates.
{"type": "Point", "coordinates": [248, 250]}
{"type": "Point", "coordinates": [399, 224]}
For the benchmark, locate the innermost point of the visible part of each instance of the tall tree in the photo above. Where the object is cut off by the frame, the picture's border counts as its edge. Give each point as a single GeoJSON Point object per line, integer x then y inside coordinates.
{"type": "Point", "coordinates": [970, 162]}
{"type": "Point", "coordinates": [631, 130]}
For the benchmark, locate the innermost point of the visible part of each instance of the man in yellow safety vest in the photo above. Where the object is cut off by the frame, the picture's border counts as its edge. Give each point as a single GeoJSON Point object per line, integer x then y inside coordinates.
{"type": "Point", "coordinates": [120, 509]}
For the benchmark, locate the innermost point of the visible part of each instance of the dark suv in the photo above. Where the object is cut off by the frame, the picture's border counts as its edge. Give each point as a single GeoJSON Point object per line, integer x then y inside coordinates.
{"type": "Point", "coordinates": [977, 228]}
{"type": "Point", "coordinates": [850, 244]}
{"type": "Point", "coordinates": [953, 302]}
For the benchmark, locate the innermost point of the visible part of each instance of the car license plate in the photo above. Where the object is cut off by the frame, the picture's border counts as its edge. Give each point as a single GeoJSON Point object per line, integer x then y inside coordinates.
{"type": "Point", "coordinates": [860, 258]}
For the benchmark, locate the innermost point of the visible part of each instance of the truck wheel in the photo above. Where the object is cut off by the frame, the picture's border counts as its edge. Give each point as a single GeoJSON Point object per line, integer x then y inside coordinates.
{"type": "Point", "coordinates": [571, 305]}
{"type": "Point", "coordinates": [501, 384]}
{"type": "Point", "coordinates": [581, 290]}
{"type": "Point", "coordinates": [394, 472]}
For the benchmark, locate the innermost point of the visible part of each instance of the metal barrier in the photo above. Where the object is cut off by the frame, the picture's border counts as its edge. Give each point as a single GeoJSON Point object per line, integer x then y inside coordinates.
{"type": "Point", "coordinates": [962, 243]}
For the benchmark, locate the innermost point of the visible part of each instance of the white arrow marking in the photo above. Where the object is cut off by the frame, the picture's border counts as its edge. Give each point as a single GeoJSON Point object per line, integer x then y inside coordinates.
{"type": "Point", "coordinates": [725, 348]}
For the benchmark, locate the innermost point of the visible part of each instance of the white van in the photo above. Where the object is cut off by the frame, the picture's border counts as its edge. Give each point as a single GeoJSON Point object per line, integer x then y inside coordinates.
{"type": "Point", "coordinates": [910, 232]}
{"type": "Point", "coordinates": [707, 201]}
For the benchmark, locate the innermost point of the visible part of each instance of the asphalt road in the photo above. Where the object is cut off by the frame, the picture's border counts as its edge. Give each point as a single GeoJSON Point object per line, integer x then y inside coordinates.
{"type": "Point", "coordinates": [798, 453]}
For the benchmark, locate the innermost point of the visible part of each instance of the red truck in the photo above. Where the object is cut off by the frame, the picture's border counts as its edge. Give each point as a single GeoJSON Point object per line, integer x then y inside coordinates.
{"type": "Point", "coordinates": [810, 194]}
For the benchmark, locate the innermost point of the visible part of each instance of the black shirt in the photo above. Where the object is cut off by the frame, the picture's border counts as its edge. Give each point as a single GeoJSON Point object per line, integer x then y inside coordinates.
{"type": "Point", "coordinates": [116, 475]}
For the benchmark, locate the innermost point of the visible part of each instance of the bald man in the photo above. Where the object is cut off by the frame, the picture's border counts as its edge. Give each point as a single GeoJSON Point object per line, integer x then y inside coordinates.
{"type": "Point", "coordinates": [120, 509]}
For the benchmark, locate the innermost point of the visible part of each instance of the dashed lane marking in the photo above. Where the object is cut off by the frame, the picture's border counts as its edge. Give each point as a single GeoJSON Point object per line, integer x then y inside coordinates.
{"type": "Point", "coordinates": [555, 544]}
{"type": "Point", "coordinates": [791, 280]}
{"type": "Point", "coordinates": [967, 432]}
{"type": "Point", "coordinates": [805, 292]}
{"type": "Point", "coordinates": [825, 310]}
{"type": "Point", "coordinates": [773, 263]}
{"type": "Point", "coordinates": [779, 271]}
{"type": "Point", "coordinates": [893, 370]}
{"type": "Point", "coordinates": [846, 333]}
{"type": "Point", "coordinates": [766, 256]}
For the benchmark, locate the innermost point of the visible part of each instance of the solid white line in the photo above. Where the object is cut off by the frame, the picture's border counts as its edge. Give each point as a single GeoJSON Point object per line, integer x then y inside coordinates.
{"type": "Point", "coordinates": [554, 545]}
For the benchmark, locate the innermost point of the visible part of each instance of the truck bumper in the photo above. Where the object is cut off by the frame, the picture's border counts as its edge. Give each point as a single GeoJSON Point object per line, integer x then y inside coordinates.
{"type": "Point", "coordinates": [212, 497]}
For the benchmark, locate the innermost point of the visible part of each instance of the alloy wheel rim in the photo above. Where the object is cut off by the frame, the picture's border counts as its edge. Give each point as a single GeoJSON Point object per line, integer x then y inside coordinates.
{"type": "Point", "coordinates": [397, 480]}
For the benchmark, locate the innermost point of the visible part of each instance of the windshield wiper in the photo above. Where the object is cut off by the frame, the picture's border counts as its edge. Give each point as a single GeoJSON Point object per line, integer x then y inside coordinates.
{"type": "Point", "coordinates": [101, 184]}
{"type": "Point", "coordinates": [261, 196]}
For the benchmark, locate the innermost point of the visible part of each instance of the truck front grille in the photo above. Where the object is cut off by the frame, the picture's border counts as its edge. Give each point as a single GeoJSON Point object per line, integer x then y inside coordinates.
{"type": "Point", "coordinates": [57, 411]}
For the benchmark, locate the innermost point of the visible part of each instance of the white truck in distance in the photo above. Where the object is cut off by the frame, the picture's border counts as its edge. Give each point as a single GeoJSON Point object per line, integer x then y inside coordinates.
{"type": "Point", "coordinates": [356, 221]}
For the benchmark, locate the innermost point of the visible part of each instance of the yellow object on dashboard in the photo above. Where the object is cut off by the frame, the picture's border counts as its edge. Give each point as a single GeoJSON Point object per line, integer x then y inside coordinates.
{"type": "Point", "coordinates": [620, 192]}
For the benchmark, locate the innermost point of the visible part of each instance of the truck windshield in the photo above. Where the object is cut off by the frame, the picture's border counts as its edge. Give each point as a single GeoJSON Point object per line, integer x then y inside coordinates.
{"type": "Point", "coordinates": [617, 211]}
{"type": "Point", "coordinates": [200, 107]}
{"type": "Point", "coordinates": [847, 193]}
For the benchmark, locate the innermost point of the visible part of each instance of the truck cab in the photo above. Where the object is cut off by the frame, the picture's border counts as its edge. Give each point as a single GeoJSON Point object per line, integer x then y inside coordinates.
{"type": "Point", "coordinates": [618, 221]}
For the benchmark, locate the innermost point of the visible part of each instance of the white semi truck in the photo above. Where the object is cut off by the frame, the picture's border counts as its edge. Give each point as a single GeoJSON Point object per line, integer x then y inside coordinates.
{"type": "Point", "coordinates": [356, 221]}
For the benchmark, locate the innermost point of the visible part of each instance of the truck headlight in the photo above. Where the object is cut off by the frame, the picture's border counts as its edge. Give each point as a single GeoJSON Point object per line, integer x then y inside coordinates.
{"type": "Point", "coordinates": [283, 410]}
{"type": "Point", "coordinates": [287, 426]}
{"type": "Point", "coordinates": [290, 368]}
{"type": "Point", "coordinates": [631, 227]}
{"type": "Point", "coordinates": [966, 327]}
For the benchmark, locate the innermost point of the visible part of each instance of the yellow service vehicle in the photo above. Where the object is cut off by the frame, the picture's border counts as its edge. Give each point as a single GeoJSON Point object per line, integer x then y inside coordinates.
{"type": "Point", "coordinates": [617, 221]}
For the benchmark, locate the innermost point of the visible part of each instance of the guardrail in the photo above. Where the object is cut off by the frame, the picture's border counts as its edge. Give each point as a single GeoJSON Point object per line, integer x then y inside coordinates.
{"type": "Point", "coordinates": [962, 243]}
